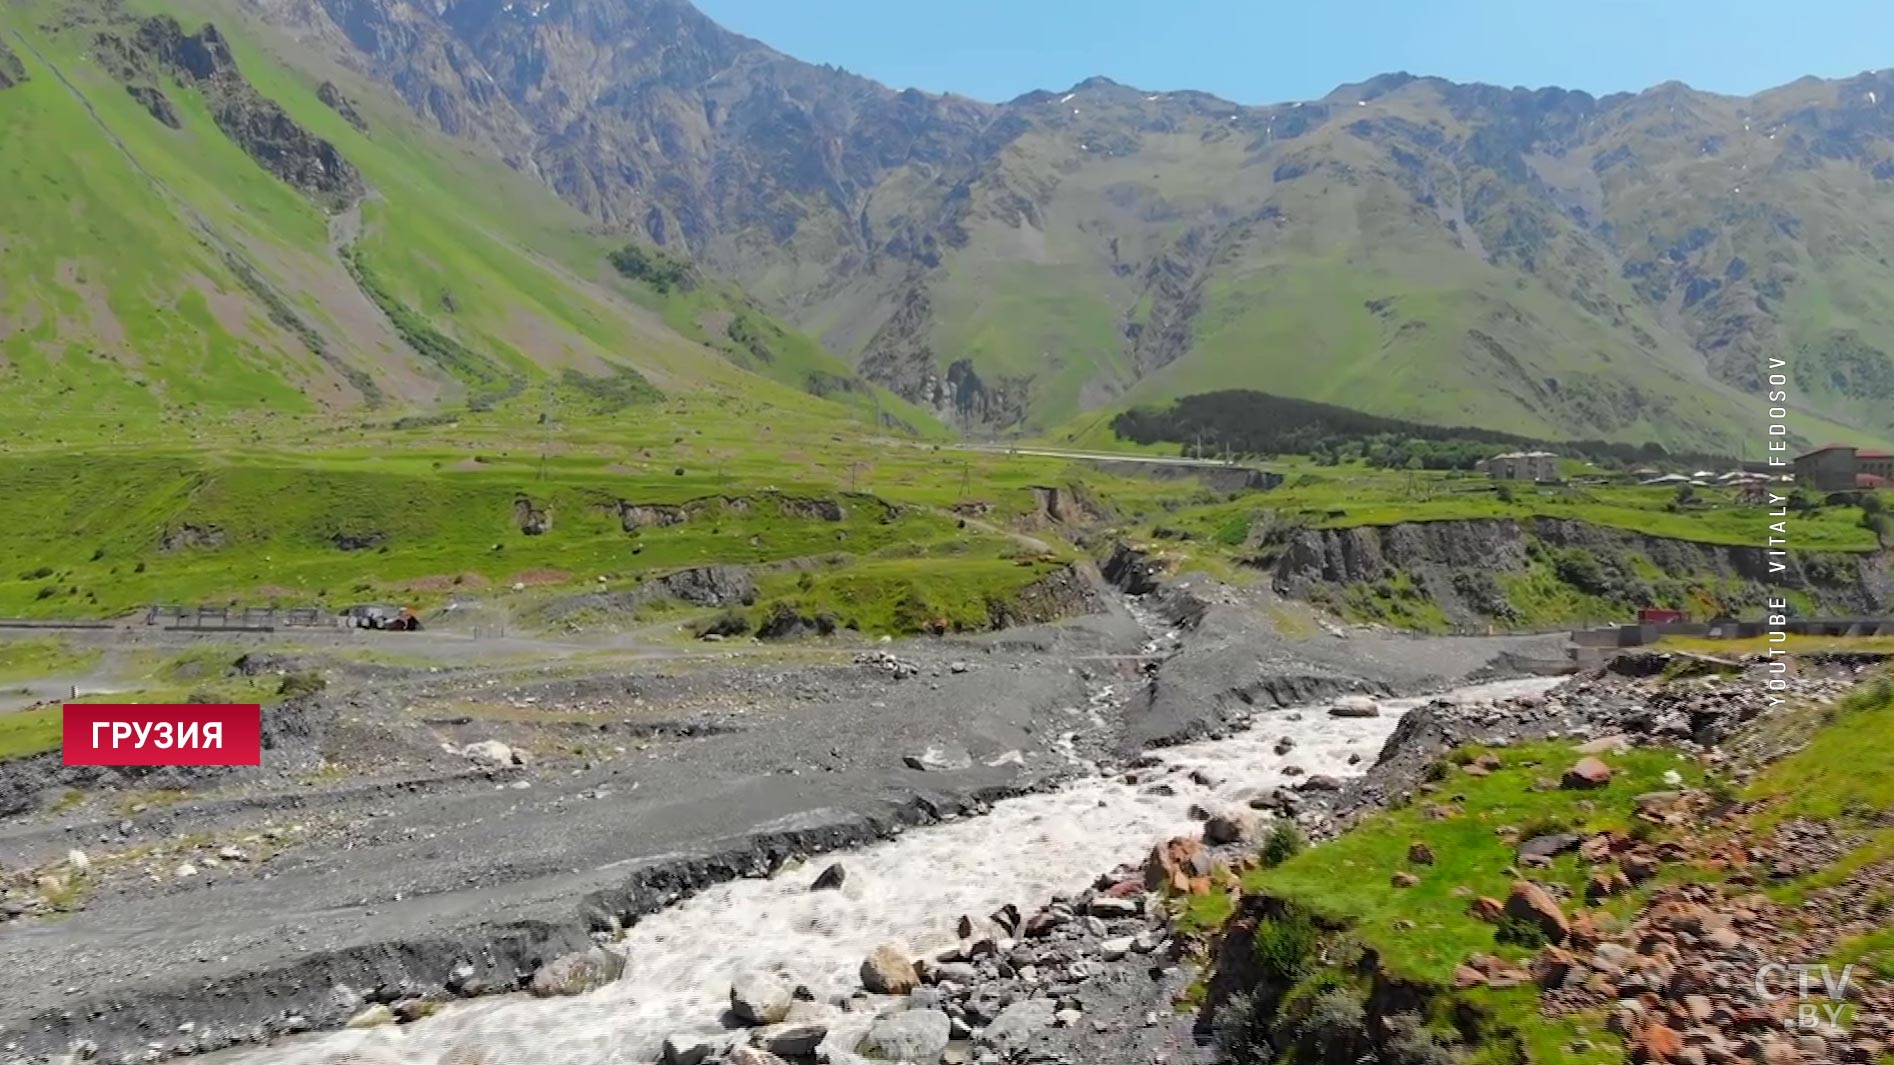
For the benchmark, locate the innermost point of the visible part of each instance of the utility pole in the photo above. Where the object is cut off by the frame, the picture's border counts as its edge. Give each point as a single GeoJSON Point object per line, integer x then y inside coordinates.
{"type": "Point", "coordinates": [546, 417]}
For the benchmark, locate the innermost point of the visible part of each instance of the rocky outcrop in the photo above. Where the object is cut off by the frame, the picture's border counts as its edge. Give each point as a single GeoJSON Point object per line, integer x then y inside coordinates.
{"type": "Point", "coordinates": [12, 71]}
{"type": "Point", "coordinates": [531, 518]}
{"type": "Point", "coordinates": [635, 516]}
{"type": "Point", "coordinates": [1066, 592]}
{"type": "Point", "coordinates": [154, 101]}
{"type": "Point", "coordinates": [1456, 562]}
{"type": "Point", "coordinates": [159, 48]}
{"type": "Point", "coordinates": [188, 536]}
{"type": "Point", "coordinates": [1132, 570]}
{"type": "Point", "coordinates": [334, 99]}
{"type": "Point", "coordinates": [705, 586]}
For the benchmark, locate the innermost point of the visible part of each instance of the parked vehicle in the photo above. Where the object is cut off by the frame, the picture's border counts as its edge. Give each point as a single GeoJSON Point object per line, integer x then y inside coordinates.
{"type": "Point", "coordinates": [381, 617]}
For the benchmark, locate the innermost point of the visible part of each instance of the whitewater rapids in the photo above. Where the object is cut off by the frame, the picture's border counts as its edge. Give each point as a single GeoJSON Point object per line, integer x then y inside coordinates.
{"type": "Point", "coordinates": [910, 890]}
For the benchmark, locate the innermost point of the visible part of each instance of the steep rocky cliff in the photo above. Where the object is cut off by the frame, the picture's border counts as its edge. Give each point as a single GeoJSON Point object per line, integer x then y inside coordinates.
{"type": "Point", "coordinates": [1485, 571]}
{"type": "Point", "coordinates": [142, 54]}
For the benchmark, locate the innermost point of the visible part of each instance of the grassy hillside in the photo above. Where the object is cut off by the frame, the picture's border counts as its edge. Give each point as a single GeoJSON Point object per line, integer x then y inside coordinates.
{"type": "Point", "coordinates": [1383, 920]}
{"type": "Point", "coordinates": [155, 274]}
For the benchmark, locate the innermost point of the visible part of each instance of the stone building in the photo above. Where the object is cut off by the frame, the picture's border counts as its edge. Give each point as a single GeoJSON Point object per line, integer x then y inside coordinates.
{"type": "Point", "coordinates": [1523, 466]}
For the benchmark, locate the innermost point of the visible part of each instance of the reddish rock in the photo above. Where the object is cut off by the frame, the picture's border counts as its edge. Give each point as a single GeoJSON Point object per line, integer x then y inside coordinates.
{"type": "Point", "coordinates": [1529, 902]}
{"type": "Point", "coordinates": [1656, 1042]}
{"type": "Point", "coordinates": [1551, 966]}
{"type": "Point", "coordinates": [1180, 864]}
{"type": "Point", "coordinates": [1583, 931]}
{"type": "Point", "coordinates": [1699, 1007]}
{"type": "Point", "coordinates": [1124, 889]}
{"type": "Point", "coordinates": [1486, 909]}
{"type": "Point", "coordinates": [1488, 761]}
{"type": "Point", "coordinates": [1604, 884]}
{"type": "Point", "coordinates": [1597, 848]}
{"type": "Point", "coordinates": [1585, 774]}
{"type": "Point", "coordinates": [1638, 867]}
{"type": "Point", "coordinates": [1466, 976]}
{"type": "Point", "coordinates": [1420, 853]}
{"type": "Point", "coordinates": [1780, 1052]}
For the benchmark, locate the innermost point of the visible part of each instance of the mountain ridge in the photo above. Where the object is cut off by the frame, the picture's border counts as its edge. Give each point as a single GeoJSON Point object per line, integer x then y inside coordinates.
{"type": "Point", "coordinates": [1015, 265]}
{"type": "Point", "coordinates": [1540, 261]}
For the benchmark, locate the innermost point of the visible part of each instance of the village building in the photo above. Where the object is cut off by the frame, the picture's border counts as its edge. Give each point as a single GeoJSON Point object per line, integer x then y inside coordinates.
{"type": "Point", "coordinates": [1523, 466]}
{"type": "Point", "coordinates": [1841, 468]}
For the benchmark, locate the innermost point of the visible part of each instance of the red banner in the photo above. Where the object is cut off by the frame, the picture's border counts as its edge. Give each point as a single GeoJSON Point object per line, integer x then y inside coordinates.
{"type": "Point", "coordinates": [163, 734]}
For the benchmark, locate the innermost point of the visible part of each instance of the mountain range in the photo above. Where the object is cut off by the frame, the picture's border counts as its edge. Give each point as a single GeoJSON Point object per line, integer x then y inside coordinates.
{"type": "Point", "coordinates": [1544, 262]}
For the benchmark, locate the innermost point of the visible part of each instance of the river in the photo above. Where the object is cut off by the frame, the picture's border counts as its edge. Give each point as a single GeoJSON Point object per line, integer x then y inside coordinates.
{"type": "Point", "coordinates": [909, 890]}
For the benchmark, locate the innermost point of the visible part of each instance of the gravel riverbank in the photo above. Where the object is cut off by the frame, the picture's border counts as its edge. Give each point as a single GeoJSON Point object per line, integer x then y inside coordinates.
{"type": "Point", "coordinates": [376, 854]}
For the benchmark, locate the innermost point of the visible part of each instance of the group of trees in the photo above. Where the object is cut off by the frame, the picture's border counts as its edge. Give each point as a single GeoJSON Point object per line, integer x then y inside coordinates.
{"type": "Point", "coordinates": [1258, 424]}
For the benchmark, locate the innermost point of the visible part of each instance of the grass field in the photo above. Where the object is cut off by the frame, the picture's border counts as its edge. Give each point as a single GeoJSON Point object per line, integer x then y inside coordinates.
{"type": "Point", "coordinates": [1422, 933]}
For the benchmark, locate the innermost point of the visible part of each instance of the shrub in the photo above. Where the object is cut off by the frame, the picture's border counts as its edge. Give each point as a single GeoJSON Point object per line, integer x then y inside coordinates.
{"type": "Point", "coordinates": [662, 272]}
{"type": "Point", "coordinates": [1285, 946]}
{"type": "Point", "coordinates": [728, 623]}
{"type": "Point", "coordinates": [1410, 1042]}
{"type": "Point", "coordinates": [1240, 1028]}
{"type": "Point", "coordinates": [302, 682]}
{"type": "Point", "coordinates": [1582, 570]}
{"type": "Point", "coordinates": [1519, 932]}
{"type": "Point", "coordinates": [1330, 1026]}
{"type": "Point", "coordinates": [1283, 842]}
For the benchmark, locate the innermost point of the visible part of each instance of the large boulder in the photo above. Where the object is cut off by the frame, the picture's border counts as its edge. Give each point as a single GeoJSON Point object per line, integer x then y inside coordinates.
{"type": "Point", "coordinates": [889, 971]}
{"type": "Point", "coordinates": [762, 998]}
{"type": "Point", "coordinates": [1585, 774]}
{"type": "Point", "coordinates": [1229, 826]}
{"type": "Point", "coordinates": [490, 754]}
{"type": "Point", "coordinates": [695, 1049]}
{"type": "Point", "coordinates": [1355, 706]}
{"type": "Point", "coordinates": [1530, 904]}
{"type": "Point", "coordinates": [1017, 1024]}
{"type": "Point", "coordinates": [1181, 864]}
{"type": "Point", "coordinates": [575, 974]}
{"type": "Point", "coordinates": [918, 1036]}
{"type": "Point", "coordinates": [793, 1039]}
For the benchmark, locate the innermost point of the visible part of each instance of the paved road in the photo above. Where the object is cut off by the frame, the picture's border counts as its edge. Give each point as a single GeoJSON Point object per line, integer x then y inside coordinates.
{"type": "Point", "coordinates": [1098, 456]}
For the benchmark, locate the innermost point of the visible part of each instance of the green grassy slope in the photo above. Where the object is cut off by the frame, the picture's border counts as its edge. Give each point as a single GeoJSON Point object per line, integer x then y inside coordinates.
{"type": "Point", "coordinates": [154, 273]}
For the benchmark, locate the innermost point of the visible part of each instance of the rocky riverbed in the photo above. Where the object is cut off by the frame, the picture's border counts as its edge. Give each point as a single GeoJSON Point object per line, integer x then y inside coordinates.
{"type": "Point", "coordinates": [387, 855]}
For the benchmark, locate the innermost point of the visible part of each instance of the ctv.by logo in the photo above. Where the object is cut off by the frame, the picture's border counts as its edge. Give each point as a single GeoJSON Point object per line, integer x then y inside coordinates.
{"type": "Point", "coordinates": [1775, 982]}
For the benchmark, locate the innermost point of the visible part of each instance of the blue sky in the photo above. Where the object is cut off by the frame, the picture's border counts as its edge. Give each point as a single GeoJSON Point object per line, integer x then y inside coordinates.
{"type": "Point", "coordinates": [1262, 51]}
